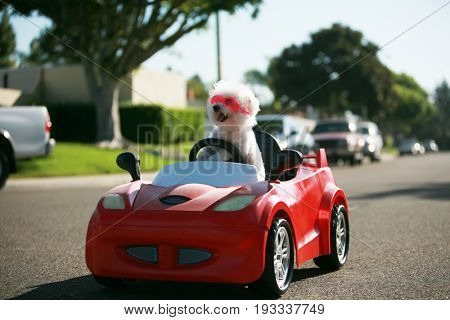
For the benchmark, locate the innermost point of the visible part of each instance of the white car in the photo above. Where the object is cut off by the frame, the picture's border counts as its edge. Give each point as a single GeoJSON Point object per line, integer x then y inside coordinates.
{"type": "Point", "coordinates": [373, 142]}
{"type": "Point", "coordinates": [24, 134]}
{"type": "Point", "coordinates": [289, 131]}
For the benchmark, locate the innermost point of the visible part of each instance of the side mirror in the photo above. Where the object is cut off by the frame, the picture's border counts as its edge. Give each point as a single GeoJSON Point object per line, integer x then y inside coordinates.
{"type": "Point", "coordinates": [129, 162]}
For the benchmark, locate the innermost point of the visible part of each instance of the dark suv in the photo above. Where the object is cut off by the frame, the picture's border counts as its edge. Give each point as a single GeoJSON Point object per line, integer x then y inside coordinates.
{"type": "Point", "coordinates": [340, 139]}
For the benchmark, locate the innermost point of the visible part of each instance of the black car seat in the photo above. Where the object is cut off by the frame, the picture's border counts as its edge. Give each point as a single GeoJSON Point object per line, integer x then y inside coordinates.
{"type": "Point", "coordinates": [269, 147]}
{"type": "Point", "coordinates": [278, 164]}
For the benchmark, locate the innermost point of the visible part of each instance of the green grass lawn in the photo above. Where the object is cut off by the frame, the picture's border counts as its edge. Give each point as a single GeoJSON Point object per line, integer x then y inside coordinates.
{"type": "Point", "coordinates": [69, 159]}
{"type": "Point", "coordinates": [390, 150]}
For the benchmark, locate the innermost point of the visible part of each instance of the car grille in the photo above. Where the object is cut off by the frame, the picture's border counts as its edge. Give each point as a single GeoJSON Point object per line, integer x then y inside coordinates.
{"type": "Point", "coordinates": [330, 143]}
{"type": "Point", "coordinates": [144, 253]}
{"type": "Point", "coordinates": [185, 256]}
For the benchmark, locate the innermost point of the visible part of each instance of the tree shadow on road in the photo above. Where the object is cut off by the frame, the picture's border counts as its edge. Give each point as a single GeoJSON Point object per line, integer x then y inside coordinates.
{"type": "Point", "coordinates": [86, 288]}
{"type": "Point", "coordinates": [432, 191]}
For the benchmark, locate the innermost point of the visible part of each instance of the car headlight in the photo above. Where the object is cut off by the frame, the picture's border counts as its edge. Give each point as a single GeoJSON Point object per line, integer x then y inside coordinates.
{"type": "Point", "coordinates": [235, 203]}
{"type": "Point", "coordinates": [113, 201]}
{"type": "Point", "coordinates": [361, 142]}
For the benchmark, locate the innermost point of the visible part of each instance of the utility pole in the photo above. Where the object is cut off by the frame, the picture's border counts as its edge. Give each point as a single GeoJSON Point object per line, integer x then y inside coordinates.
{"type": "Point", "coordinates": [219, 71]}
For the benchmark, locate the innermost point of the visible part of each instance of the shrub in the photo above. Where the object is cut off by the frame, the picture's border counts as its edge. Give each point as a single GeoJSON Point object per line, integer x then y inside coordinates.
{"type": "Point", "coordinates": [73, 122]}
{"type": "Point", "coordinates": [139, 123]}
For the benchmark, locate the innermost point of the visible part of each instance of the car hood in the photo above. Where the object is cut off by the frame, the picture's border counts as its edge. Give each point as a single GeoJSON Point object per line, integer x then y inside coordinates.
{"type": "Point", "coordinates": [198, 197]}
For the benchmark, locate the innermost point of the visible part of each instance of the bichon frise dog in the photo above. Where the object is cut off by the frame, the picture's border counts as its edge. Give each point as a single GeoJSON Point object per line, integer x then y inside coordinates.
{"type": "Point", "coordinates": [232, 108]}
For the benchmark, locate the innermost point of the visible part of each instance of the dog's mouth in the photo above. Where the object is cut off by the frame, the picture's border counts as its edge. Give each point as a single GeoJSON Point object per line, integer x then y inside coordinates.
{"type": "Point", "coordinates": [221, 117]}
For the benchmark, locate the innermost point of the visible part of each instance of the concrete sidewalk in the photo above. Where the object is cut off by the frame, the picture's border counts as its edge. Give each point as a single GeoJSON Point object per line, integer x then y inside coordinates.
{"type": "Point", "coordinates": [106, 181]}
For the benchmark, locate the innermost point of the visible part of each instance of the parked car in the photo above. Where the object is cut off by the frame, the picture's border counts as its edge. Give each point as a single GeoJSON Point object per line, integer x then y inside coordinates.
{"type": "Point", "coordinates": [341, 139]}
{"type": "Point", "coordinates": [373, 141]}
{"type": "Point", "coordinates": [24, 133]}
{"type": "Point", "coordinates": [430, 145]}
{"type": "Point", "coordinates": [212, 221]}
{"type": "Point", "coordinates": [411, 146]}
{"type": "Point", "coordinates": [288, 131]}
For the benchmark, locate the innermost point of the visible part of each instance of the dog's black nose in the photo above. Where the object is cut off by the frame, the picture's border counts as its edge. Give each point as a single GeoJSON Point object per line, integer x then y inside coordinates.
{"type": "Point", "coordinates": [216, 108]}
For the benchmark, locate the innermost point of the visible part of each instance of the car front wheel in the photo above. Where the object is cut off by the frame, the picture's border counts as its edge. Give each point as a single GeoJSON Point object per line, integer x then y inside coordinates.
{"type": "Point", "coordinates": [339, 241]}
{"type": "Point", "coordinates": [280, 256]}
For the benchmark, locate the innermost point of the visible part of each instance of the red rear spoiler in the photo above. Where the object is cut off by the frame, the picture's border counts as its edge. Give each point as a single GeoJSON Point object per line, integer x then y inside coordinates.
{"type": "Point", "coordinates": [320, 157]}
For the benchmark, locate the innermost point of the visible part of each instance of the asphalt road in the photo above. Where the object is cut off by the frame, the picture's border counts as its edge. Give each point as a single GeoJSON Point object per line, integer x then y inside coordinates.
{"type": "Point", "coordinates": [400, 223]}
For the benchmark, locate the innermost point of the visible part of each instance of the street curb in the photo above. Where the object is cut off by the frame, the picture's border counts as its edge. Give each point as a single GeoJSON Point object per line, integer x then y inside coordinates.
{"type": "Point", "coordinates": [106, 181]}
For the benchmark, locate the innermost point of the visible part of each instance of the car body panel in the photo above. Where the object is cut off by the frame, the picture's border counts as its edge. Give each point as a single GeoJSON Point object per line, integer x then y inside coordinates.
{"type": "Point", "coordinates": [27, 126]}
{"type": "Point", "coordinates": [235, 239]}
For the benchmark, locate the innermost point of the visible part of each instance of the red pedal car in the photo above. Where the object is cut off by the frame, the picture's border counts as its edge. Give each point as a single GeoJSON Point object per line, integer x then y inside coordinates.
{"type": "Point", "coordinates": [206, 221]}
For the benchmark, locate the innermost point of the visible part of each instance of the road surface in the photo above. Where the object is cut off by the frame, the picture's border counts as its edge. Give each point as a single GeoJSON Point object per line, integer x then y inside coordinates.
{"type": "Point", "coordinates": [400, 223]}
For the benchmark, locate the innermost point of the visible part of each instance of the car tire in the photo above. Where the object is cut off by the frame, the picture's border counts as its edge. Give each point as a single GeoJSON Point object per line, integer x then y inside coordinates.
{"type": "Point", "coordinates": [4, 168]}
{"type": "Point", "coordinates": [113, 283]}
{"type": "Point", "coordinates": [375, 157]}
{"type": "Point", "coordinates": [339, 248]}
{"type": "Point", "coordinates": [354, 161]}
{"type": "Point", "coordinates": [280, 258]}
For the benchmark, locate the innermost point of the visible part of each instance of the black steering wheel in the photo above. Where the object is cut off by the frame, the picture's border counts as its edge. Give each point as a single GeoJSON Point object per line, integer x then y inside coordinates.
{"type": "Point", "coordinates": [236, 155]}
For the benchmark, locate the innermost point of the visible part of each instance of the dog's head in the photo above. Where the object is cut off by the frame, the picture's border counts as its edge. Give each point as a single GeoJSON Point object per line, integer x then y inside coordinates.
{"type": "Point", "coordinates": [232, 104]}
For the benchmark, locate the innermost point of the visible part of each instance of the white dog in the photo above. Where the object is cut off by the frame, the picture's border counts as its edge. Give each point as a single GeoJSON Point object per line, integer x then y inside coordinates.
{"type": "Point", "coordinates": [232, 107]}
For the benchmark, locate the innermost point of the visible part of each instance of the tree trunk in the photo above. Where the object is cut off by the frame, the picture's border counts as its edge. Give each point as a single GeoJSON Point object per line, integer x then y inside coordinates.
{"type": "Point", "coordinates": [105, 95]}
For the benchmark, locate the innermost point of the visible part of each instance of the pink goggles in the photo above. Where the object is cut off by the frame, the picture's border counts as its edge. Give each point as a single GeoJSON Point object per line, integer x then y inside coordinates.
{"type": "Point", "coordinates": [229, 102]}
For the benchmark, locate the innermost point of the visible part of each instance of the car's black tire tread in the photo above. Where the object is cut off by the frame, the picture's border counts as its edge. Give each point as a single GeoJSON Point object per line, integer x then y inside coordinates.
{"type": "Point", "coordinates": [267, 281]}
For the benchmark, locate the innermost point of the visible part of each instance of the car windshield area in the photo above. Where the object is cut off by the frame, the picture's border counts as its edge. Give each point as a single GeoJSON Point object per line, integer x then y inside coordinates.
{"type": "Point", "coordinates": [332, 127]}
{"type": "Point", "coordinates": [364, 130]}
{"type": "Point", "coordinates": [212, 173]}
{"type": "Point", "coordinates": [409, 142]}
{"type": "Point", "coordinates": [368, 130]}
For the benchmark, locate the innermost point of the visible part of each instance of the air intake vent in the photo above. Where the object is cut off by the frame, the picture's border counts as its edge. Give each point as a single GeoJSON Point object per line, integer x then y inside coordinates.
{"type": "Point", "coordinates": [173, 200]}
{"type": "Point", "coordinates": [192, 256]}
{"type": "Point", "coordinates": [144, 253]}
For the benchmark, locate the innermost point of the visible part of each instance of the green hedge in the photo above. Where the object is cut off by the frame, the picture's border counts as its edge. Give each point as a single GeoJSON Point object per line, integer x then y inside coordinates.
{"type": "Point", "coordinates": [139, 123]}
{"type": "Point", "coordinates": [73, 122]}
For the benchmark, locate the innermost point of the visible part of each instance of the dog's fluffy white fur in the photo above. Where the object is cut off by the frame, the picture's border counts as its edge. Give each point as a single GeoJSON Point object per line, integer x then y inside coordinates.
{"type": "Point", "coordinates": [234, 126]}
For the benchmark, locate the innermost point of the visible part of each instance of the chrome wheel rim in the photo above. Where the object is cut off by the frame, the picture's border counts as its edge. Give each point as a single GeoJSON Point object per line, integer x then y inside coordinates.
{"type": "Point", "coordinates": [341, 238]}
{"type": "Point", "coordinates": [281, 257]}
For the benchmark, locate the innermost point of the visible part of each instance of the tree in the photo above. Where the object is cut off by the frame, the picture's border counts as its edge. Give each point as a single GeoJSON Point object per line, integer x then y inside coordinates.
{"type": "Point", "coordinates": [364, 87]}
{"type": "Point", "coordinates": [197, 87]}
{"type": "Point", "coordinates": [7, 41]}
{"type": "Point", "coordinates": [410, 107]}
{"type": "Point", "coordinates": [255, 77]}
{"type": "Point", "coordinates": [257, 81]}
{"type": "Point", "coordinates": [112, 37]}
{"type": "Point", "coordinates": [441, 121]}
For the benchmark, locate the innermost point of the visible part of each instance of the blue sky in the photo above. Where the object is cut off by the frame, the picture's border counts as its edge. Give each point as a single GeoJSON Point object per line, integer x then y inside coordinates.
{"type": "Point", "coordinates": [423, 52]}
